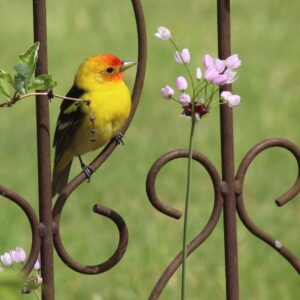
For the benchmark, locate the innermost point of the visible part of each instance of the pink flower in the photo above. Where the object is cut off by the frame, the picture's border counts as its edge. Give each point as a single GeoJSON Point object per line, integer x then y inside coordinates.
{"type": "Point", "coordinates": [163, 33]}
{"type": "Point", "coordinates": [181, 83]}
{"type": "Point", "coordinates": [167, 92]}
{"type": "Point", "coordinates": [233, 61]}
{"type": "Point", "coordinates": [6, 259]}
{"type": "Point", "coordinates": [220, 79]}
{"type": "Point", "coordinates": [210, 74]}
{"type": "Point", "coordinates": [198, 73]}
{"type": "Point", "coordinates": [232, 100]}
{"type": "Point", "coordinates": [231, 76]}
{"type": "Point", "coordinates": [219, 65]}
{"type": "Point", "coordinates": [183, 57]}
{"type": "Point", "coordinates": [208, 61]}
{"type": "Point", "coordinates": [37, 265]}
{"type": "Point", "coordinates": [185, 99]}
{"type": "Point", "coordinates": [18, 255]}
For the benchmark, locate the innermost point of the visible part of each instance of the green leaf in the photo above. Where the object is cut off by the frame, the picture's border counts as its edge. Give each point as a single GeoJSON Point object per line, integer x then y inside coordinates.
{"type": "Point", "coordinates": [42, 82]}
{"type": "Point", "coordinates": [19, 84]}
{"type": "Point", "coordinates": [23, 70]}
{"type": "Point", "coordinates": [28, 60]}
{"type": "Point", "coordinates": [4, 90]}
{"type": "Point", "coordinates": [6, 76]}
{"type": "Point", "coordinates": [30, 56]}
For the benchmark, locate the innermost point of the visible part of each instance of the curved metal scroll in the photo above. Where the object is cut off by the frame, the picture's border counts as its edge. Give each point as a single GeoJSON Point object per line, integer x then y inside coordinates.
{"type": "Point", "coordinates": [283, 199]}
{"type": "Point", "coordinates": [36, 229]}
{"type": "Point", "coordinates": [98, 161]}
{"type": "Point", "coordinates": [165, 209]}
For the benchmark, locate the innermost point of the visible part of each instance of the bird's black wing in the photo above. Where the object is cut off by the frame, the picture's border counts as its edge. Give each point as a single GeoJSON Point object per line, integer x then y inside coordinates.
{"type": "Point", "coordinates": [69, 119]}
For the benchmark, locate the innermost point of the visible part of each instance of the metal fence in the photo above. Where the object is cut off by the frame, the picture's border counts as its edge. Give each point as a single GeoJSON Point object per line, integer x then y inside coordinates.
{"type": "Point", "coordinates": [228, 188]}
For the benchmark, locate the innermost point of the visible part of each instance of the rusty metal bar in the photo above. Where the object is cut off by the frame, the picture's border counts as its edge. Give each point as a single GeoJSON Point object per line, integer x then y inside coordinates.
{"type": "Point", "coordinates": [171, 212]}
{"type": "Point", "coordinates": [43, 149]}
{"type": "Point", "coordinates": [227, 151]}
{"type": "Point", "coordinates": [98, 161]}
{"type": "Point", "coordinates": [287, 196]}
{"type": "Point", "coordinates": [34, 225]}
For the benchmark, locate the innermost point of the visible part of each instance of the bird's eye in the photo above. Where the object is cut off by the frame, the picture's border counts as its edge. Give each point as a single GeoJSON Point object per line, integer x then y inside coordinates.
{"type": "Point", "coordinates": [109, 70]}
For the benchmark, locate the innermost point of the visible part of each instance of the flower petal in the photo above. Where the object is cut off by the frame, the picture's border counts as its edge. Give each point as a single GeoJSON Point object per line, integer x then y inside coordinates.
{"type": "Point", "coordinates": [185, 99]}
{"type": "Point", "coordinates": [163, 33]}
{"type": "Point", "coordinates": [233, 61]}
{"type": "Point", "coordinates": [219, 65]}
{"type": "Point", "coordinates": [210, 74]}
{"type": "Point", "coordinates": [208, 61]}
{"type": "Point", "coordinates": [167, 92]}
{"type": "Point", "coordinates": [198, 73]}
{"type": "Point", "coordinates": [181, 83]}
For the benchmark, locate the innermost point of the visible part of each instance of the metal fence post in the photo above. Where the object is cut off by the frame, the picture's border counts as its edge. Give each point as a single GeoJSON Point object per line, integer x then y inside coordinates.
{"type": "Point", "coordinates": [227, 155]}
{"type": "Point", "coordinates": [228, 192]}
{"type": "Point", "coordinates": [43, 149]}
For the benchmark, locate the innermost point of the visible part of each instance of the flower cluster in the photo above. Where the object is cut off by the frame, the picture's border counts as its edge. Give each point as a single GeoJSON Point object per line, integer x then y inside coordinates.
{"type": "Point", "coordinates": [197, 93]}
{"type": "Point", "coordinates": [18, 256]}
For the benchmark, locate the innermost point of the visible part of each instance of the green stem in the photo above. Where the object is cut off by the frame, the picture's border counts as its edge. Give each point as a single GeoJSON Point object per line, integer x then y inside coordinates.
{"type": "Point", "coordinates": [186, 68]}
{"type": "Point", "coordinates": [186, 209]}
{"type": "Point", "coordinates": [36, 295]}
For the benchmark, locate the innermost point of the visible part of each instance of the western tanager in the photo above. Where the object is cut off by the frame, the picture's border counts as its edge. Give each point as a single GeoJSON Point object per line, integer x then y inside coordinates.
{"type": "Point", "coordinates": [83, 126]}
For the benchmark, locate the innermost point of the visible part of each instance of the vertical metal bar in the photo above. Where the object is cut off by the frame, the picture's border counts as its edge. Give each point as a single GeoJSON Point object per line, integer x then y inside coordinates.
{"type": "Point", "coordinates": [43, 148]}
{"type": "Point", "coordinates": [227, 151]}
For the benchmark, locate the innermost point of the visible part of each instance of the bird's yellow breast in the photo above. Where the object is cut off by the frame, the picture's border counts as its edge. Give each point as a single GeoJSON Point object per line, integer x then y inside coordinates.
{"type": "Point", "coordinates": [109, 108]}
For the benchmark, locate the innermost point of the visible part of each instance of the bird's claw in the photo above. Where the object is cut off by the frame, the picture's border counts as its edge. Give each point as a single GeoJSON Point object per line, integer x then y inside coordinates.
{"type": "Point", "coordinates": [88, 171]}
{"type": "Point", "coordinates": [119, 138]}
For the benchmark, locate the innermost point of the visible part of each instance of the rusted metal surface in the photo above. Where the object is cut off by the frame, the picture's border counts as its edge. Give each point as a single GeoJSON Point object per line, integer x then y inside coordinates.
{"type": "Point", "coordinates": [227, 157]}
{"type": "Point", "coordinates": [99, 160]}
{"type": "Point", "coordinates": [34, 224]}
{"type": "Point", "coordinates": [163, 208]}
{"type": "Point", "coordinates": [289, 195]}
{"type": "Point", "coordinates": [229, 190]}
{"type": "Point", "coordinates": [110, 262]}
{"type": "Point", "coordinates": [46, 231]}
{"type": "Point", "coordinates": [43, 151]}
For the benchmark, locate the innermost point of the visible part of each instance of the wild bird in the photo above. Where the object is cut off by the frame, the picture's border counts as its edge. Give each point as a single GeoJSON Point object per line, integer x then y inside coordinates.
{"type": "Point", "coordinates": [84, 126]}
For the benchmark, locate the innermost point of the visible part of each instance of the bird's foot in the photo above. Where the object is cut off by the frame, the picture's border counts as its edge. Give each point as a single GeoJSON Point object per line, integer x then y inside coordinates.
{"type": "Point", "coordinates": [119, 138]}
{"type": "Point", "coordinates": [87, 170]}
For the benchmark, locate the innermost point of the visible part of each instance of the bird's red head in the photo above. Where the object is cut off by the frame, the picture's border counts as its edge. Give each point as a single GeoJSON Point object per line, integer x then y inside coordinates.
{"type": "Point", "coordinates": [101, 68]}
{"type": "Point", "coordinates": [108, 66]}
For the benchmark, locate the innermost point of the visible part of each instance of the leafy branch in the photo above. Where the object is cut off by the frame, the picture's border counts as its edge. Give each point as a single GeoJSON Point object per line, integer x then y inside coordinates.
{"type": "Point", "coordinates": [23, 83]}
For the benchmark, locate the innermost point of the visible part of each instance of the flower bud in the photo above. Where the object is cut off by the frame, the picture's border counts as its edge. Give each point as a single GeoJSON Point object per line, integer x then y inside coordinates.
{"type": "Point", "coordinates": [181, 83]}
{"type": "Point", "coordinates": [198, 73]}
{"type": "Point", "coordinates": [37, 265]}
{"type": "Point", "coordinates": [184, 57]}
{"type": "Point", "coordinates": [163, 33]}
{"type": "Point", "coordinates": [208, 61]}
{"type": "Point", "coordinates": [167, 92]}
{"type": "Point", "coordinates": [185, 99]}
{"type": "Point", "coordinates": [232, 100]}
{"type": "Point", "coordinates": [18, 255]}
{"type": "Point", "coordinates": [6, 259]}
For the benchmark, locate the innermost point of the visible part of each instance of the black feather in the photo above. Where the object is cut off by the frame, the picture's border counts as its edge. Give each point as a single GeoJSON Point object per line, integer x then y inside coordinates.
{"type": "Point", "coordinates": [66, 127]}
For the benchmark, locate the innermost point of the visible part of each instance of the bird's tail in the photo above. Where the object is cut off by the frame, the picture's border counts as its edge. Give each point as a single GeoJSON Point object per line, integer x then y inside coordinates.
{"type": "Point", "coordinates": [60, 179]}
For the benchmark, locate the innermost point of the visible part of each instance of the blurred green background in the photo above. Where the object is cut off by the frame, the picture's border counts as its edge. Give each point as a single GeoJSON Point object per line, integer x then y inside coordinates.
{"type": "Point", "coordinates": [264, 33]}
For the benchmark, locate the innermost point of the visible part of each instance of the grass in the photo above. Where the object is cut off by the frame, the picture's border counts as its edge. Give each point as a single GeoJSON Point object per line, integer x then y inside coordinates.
{"type": "Point", "coordinates": [264, 34]}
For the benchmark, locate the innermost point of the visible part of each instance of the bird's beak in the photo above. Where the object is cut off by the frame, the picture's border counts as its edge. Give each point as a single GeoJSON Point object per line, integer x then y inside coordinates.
{"type": "Point", "coordinates": [126, 65]}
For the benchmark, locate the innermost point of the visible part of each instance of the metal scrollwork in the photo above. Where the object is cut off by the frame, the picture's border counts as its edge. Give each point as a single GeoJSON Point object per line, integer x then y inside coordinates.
{"type": "Point", "coordinates": [165, 209]}
{"type": "Point", "coordinates": [98, 161]}
{"type": "Point", "coordinates": [280, 201]}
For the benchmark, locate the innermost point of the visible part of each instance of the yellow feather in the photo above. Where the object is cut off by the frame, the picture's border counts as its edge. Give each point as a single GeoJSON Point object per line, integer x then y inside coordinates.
{"type": "Point", "coordinates": [101, 79]}
{"type": "Point", "coordinates": [110, 106]}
